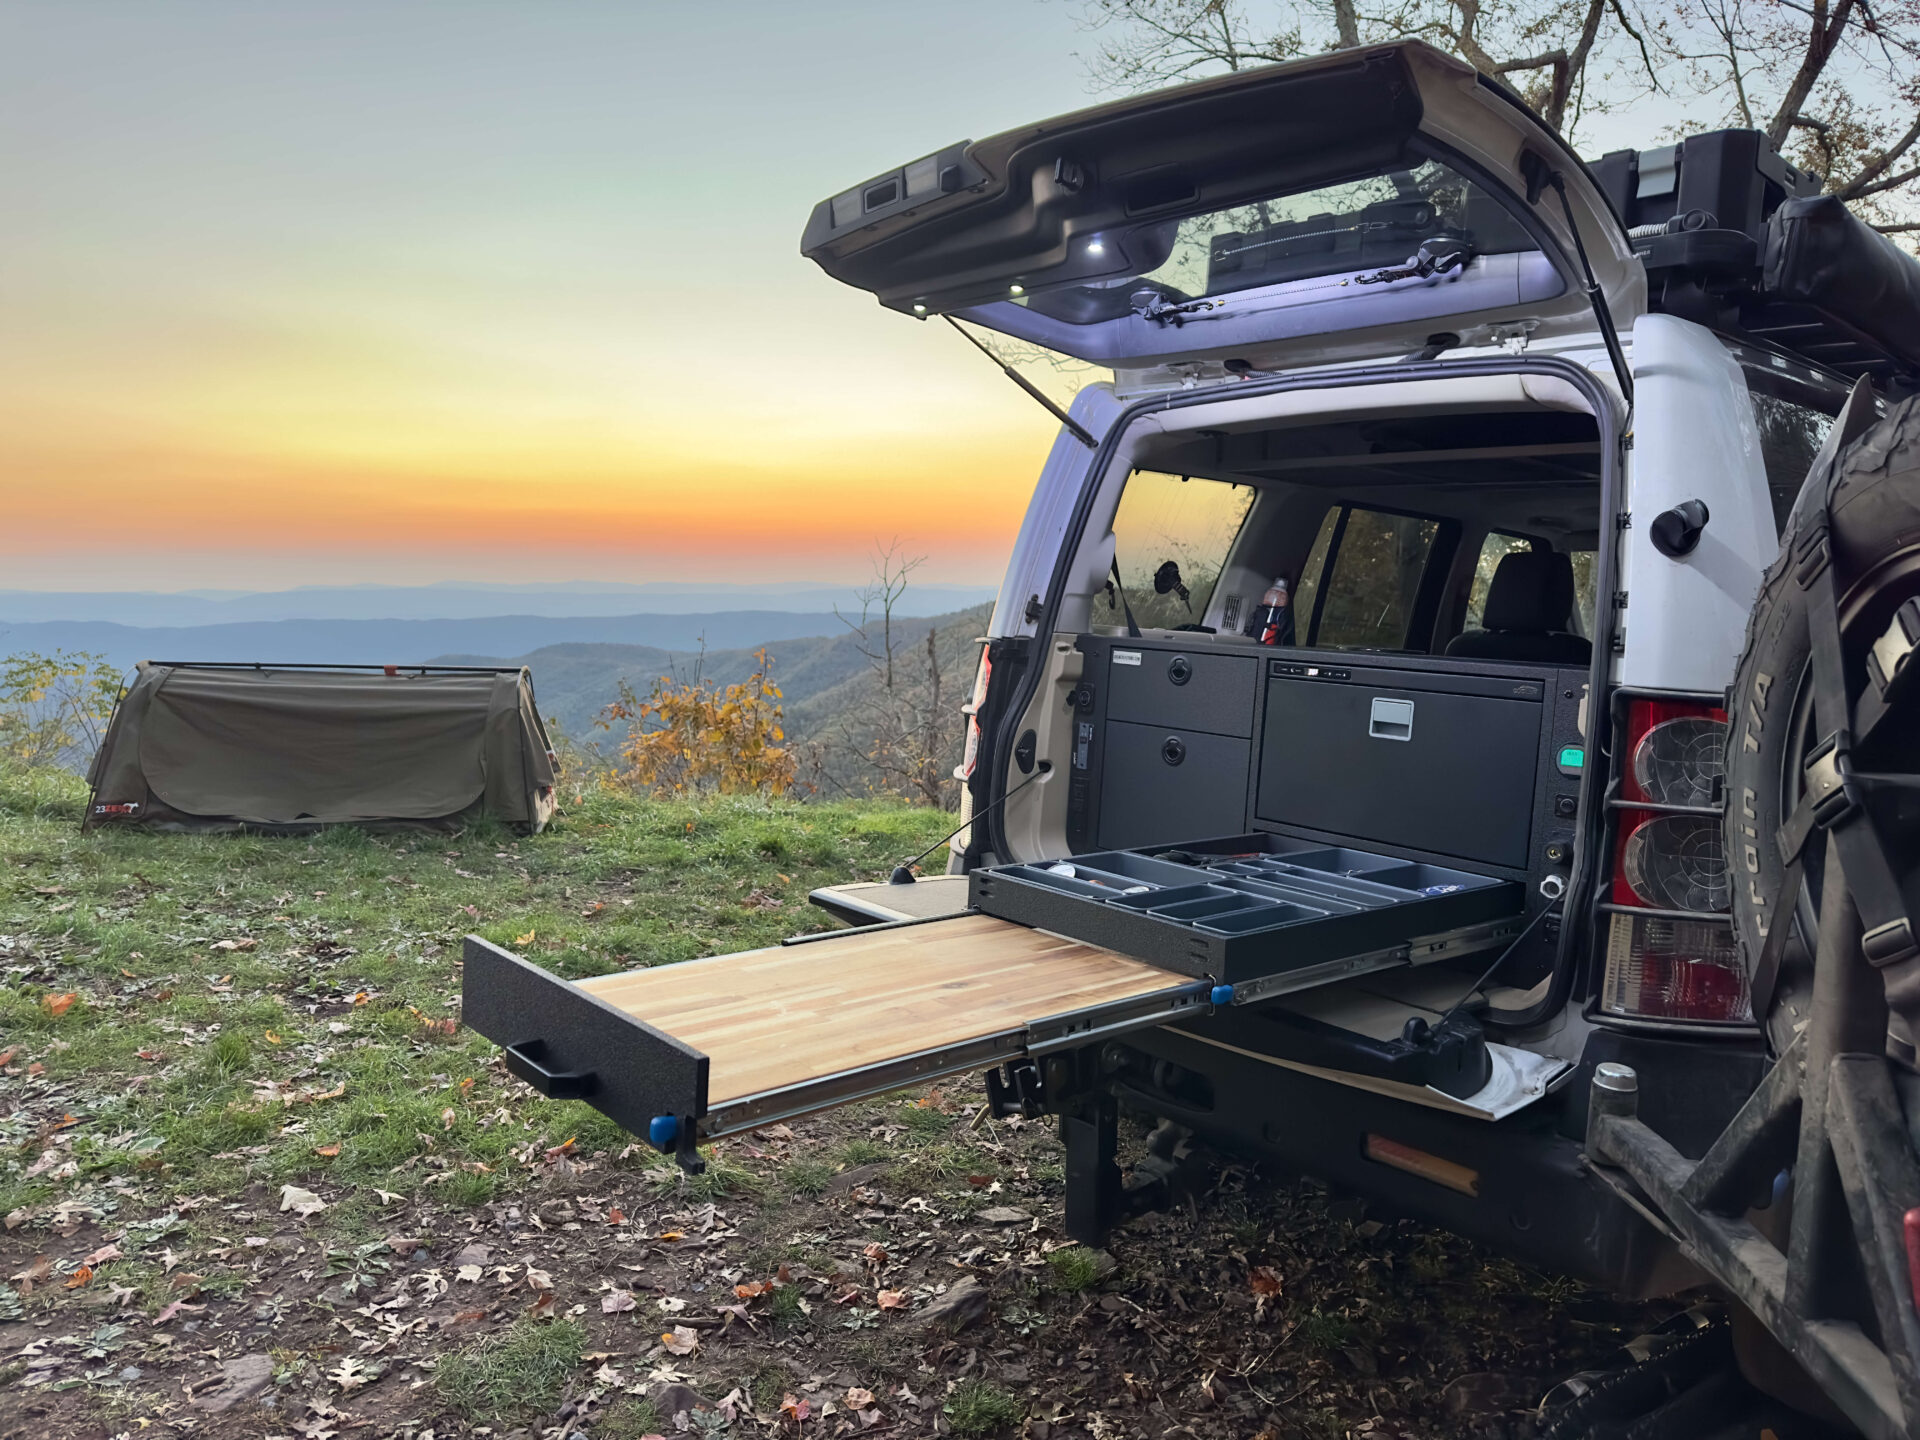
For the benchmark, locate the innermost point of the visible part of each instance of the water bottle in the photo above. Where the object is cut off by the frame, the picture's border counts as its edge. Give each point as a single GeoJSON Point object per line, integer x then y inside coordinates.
{"type": "Point", "coordinates": [1274, 619]}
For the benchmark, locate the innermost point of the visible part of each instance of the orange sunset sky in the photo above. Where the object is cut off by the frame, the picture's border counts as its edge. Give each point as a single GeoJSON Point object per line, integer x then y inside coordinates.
{"type": "Point", "coordinates": [331, 293]}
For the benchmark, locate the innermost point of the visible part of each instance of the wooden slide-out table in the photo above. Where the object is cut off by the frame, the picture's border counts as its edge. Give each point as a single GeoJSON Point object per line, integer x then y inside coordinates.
{"type": "Point", "coordinates": [709, 1047]}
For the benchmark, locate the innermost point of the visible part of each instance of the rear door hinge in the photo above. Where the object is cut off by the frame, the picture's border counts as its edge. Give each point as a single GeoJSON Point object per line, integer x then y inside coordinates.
{"type": "Point", "coordinates": [1034, 609]}
{"type": "Point", "coordinates": [1619, 646]}
{"type": "Point", "coordinates": [1619, 599]}
{"type": "Point", "coordinates": [1623, 521]}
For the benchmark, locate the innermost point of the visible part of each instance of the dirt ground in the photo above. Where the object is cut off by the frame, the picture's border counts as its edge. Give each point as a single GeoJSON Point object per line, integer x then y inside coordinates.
{"type": "Point", "coordinates": [258, 1179]}
{"type": "Point", "coordinates": [796, 1288]}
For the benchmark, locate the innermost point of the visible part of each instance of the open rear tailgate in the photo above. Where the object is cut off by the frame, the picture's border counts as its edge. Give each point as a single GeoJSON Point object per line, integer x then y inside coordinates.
{"type": "Point", "coordinates": [686, 1052]}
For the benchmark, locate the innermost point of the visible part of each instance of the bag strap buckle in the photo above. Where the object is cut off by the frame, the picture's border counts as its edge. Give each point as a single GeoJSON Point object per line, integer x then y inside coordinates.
{"type": "Point", "coordinates": [1890, 944]}
{"type": "Point", "coordinates": [1828, 775]}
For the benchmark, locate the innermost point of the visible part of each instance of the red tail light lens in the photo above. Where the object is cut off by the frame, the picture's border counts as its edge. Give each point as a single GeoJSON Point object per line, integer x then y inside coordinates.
{"type": "Point", "coordinates": [1667, 967]}
{"type": "Point", "coordinates": [981, 678]}
{"type": "Point", "coordinates": [1674, 970]}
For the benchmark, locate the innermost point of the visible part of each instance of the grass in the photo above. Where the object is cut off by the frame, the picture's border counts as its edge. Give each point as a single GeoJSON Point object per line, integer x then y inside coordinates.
{"type": "Point", "coordinates": [310, 1051]}
{"type": "Point", "coordinates": [517, 1372]}
{"type": "Point", "coordinates": [631, 1419]}
{"type": "Point", "coordinates": [980, 1407]}
{"type": "Point", "coordinates": [1074, 1268]}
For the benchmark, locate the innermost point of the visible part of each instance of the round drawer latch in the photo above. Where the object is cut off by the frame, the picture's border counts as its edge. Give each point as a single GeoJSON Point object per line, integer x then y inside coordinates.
{"type": "Point", "coordinates": [1179, 670]}
{"type": "Point", "coordinates": [1174, 750]}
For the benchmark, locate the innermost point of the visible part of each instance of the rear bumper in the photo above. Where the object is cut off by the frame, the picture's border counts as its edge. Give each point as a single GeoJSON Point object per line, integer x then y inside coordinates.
{"type": "Point", "coordinates": [1535, 1198]}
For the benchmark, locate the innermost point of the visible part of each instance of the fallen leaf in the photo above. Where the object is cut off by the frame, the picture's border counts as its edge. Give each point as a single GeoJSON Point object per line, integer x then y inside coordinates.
{"type": "Point", "coordinates": [753, 1288]}
{"type": "Point", "coordinates": [616, 1302]}
{"type": "Point", "coordinates": [858, 1399]}
{"type": "Point", "coordinates": [176, 1307]}
{"type": "Point", "coordinates": [616, 1216]}
{"type": "Point", "coordinates": [272, 1039]}
{"type": "Point", "coordinates": [80, 1277]}
{"type": "Point", "coordinates": [876, 1252]}
{"type": "Point", "coordinates": [301, 1202]}
{"type": "Point", "coordinates": [247, 944]}
{"type": "Point", "coordinates": [59, 1004]}
{"type": "Point", "coordinates": [404, 1244]}
{"type": "Point", "coordinates": [891, 1299]}
{"type": "Point", "coordinates": [670, 1305]}
{"type": "Point", "coordinates": [526, 939]}
{"type": "Point", "coordinates": [105, 1253]}
{"type": "Point", "coordinates": [798, 1409]}
{"type": "Point", "coordinates": [1264, 1281]}
{"type": "Point", "coordinates": [329, 1151]}
{"type": "Point", "coordinates": [6, 1056]}
{"type": "Point", "coordinates": [470, 1273]}
{"type": "Point", "coordinates": [40, 1268]}
{"type": "Point", "coordinates": [671, 1235]}
{"type": "Point", "coordinates": [538, 1279]}
{"type": "Point", "coordinates": [681, 1341]}
{"type": "Point", "coordinates": [448, 1118]}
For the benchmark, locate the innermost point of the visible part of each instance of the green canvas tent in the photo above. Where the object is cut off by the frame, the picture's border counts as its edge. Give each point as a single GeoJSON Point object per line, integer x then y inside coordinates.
{"type": "Point", "coordinates": [292, 748]}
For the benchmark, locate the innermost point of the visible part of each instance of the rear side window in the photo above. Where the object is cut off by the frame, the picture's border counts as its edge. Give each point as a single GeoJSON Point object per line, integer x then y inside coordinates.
{"type": "Point", "coordinates": [1172, 535]}
{"type": "Point", "coordinates": [1790, 436]}
{"type": "Point", "coordinates": [1793, 409]}
{"type": "Point", "coordinates": [1363, 578]}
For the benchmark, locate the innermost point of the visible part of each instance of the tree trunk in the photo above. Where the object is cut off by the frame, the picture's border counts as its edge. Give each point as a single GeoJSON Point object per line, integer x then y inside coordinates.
{"type": "Point", "coordinates": [1823, 35]}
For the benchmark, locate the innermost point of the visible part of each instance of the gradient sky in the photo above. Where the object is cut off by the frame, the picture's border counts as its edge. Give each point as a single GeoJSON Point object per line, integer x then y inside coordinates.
{"type": "Point", "coordinates": [306, 293]}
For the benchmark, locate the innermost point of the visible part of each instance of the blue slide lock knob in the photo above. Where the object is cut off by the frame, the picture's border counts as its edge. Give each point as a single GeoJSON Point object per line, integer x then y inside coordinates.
{"type": "Point", "coordinates": [1222, 995]}
{"type": "Point", "coordinates": [662, 1131]}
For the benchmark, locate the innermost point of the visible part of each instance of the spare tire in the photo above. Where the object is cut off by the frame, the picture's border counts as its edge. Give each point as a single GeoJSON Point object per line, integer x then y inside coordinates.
{"type": "Point", "coordinates": [1873, 500]}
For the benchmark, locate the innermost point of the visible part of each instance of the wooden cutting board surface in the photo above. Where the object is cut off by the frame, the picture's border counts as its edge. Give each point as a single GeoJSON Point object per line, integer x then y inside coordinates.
{"type": "Point", "coordinates": [776, 1017]}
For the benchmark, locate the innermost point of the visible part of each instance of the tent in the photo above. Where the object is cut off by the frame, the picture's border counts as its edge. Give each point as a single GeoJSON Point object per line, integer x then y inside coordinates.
{"type": "Point", "coordinates": [294, 748]}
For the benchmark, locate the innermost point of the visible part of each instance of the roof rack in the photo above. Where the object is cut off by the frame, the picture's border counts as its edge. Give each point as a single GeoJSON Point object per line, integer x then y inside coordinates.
{"type": "Point", "coordinates": [1736, 238]}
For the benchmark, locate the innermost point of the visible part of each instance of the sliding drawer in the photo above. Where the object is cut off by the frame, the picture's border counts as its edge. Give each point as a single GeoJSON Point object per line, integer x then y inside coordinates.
{"type": "Point", "coordinates": [707, 1047]}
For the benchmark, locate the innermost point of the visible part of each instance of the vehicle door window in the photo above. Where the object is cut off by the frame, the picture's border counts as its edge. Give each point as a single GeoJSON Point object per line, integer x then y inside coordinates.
{"type": "Point", "coordinates": [1172, 536]}
{"type": "Point", "coordinates": [1586, 590]}
{"type": "Point", "coordinates": [1367, 589]}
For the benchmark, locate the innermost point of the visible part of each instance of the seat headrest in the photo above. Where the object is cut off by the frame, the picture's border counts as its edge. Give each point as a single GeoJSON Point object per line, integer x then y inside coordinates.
{"type": "Point", "coordinates": [1532, 591]}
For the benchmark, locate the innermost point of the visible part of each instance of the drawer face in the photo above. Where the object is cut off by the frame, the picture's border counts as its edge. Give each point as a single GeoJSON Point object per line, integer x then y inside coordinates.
{"type": "Point", "coordinates": [1448, 773]}
{"type": "Point", "coordinates": [1161, 784]}
{"type": "Point", "coordinates": [1188, 690]}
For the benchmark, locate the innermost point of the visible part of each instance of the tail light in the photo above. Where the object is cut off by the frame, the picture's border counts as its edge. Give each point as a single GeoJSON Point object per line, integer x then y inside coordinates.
{"type": "Point", "coordinates": [1670, 857]}
{"type": "Point", "coordinates": [981, 678]}
{"type": "Point", "coordinates": [970, 758]}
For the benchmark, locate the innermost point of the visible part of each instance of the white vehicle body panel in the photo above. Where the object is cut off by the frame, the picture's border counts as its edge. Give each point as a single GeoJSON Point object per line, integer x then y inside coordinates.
{"type": "Point", "coordinates": [1044, 530]}
{"type": "Point", "coordinates": [1694, 438]}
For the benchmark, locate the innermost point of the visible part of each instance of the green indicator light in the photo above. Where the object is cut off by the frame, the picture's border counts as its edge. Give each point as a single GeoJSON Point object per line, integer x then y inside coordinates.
{"type": "Point", "coordinates": [1572, 757]}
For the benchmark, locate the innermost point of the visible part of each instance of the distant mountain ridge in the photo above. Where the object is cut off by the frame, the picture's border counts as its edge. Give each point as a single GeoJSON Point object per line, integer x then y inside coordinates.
{"type": "Point", "coordinates": [462, 600]}
{"type": "Point", "coordinates": [410, 642]}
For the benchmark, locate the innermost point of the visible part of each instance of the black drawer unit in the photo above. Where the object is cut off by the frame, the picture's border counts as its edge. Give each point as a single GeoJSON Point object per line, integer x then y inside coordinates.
{"type": "Point", "coordinates": [1164, 784]}
{"type": "Point", "coordinates": [1184, 689]}
{"type": "Point", "coordinates": [1427, 760]}
{"type": "Point", "coordinates": [1251, 908]}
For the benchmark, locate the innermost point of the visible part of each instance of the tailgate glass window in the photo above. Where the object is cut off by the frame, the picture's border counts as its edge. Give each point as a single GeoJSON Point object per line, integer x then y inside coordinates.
{"type": "Point", "coordinates": [1366, 592]}
{"type": "Point", "coordinates": [1376, 221]}
{"type": "Point", "coordinates": [1172, 536]}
